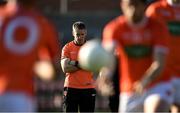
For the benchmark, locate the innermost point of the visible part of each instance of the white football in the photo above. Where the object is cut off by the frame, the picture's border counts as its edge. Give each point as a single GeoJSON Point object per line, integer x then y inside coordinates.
{"type": "Point", "coordinates": [92, 56]}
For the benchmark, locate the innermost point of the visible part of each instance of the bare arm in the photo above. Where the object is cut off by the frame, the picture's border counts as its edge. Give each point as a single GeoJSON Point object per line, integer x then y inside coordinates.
{"type": "Point", "coordinates": [69, 66]}
{"type": "Point", "coordinates": [155, 69]}
{"type": "Point", "coordinates": [153, 72]}
{"type": "Point", "coordinates": [104, 80]}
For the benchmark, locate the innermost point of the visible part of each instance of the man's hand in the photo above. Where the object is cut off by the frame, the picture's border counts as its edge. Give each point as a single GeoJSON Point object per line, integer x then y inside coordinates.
{"type": "Point", "coordinates": [69, 66]}
{"type": "Point", "coordinates": [104, 84]}
{"type": "Point", "coordinates": [138, 87]}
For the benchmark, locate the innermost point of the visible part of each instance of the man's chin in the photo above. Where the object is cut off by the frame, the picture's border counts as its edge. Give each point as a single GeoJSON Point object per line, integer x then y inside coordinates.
{"type": "Point", "coordinates": [81, 42]}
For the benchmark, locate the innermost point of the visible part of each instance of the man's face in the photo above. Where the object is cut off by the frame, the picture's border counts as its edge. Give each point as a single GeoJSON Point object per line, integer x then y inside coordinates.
{"type": "Point", "coordinates": [133, 10]}
{"type": "Point", "coordinates": [79, 36]}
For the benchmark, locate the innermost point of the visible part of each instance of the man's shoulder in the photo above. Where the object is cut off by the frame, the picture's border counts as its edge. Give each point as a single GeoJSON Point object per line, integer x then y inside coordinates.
{"type": "Point", "coordinates": [69, 45]}
{"type": "Point", "coordinates": [35, 15]}
{"type": "Point", "coordinates": [27, 13]}
{"type": "Point", "coordinates": [159, 5]}
{"type": "Point", "coordinates": [116, 22]}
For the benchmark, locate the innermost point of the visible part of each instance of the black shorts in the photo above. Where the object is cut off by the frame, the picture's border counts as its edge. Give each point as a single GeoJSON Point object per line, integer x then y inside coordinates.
{"type": "Point", "coordinates": [82, 100]}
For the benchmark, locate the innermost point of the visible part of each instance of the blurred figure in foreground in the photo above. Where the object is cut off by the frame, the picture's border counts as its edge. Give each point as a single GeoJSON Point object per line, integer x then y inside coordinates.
{"type": "Point", "coordinates": [26, 38]}
{"type": "Point", "coordinates": [79, 88]}
{"type": "Point", "coordinates": [141, 44]}
{"type": "Point", "coordinates": [169, 12]}
{"type": "Point", "coordinates": [114, 98]}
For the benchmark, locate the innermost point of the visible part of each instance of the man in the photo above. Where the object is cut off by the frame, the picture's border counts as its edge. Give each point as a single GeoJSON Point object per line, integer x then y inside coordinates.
{"type": "Point", "coordinates": [79, 86]}
{"type": "Point", "coordinates": [25, 38]}
{"type": "Point", "coordinates": [168, 11]}
{"type": "Point", "coordinates": [141, 45]}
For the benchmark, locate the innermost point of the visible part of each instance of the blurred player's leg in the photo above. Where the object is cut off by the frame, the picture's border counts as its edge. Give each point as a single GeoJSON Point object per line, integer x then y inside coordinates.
{"type": "Point", "coordinates": [156, 99]}
{"type": "Point", "coordinates": [174, 109]}
{"type": "Point", "coordinates": [176, 84]}
{"type": "Point", "coordinates": [159, 98]}
{"type": "Point", "coordinates": [130, 102]}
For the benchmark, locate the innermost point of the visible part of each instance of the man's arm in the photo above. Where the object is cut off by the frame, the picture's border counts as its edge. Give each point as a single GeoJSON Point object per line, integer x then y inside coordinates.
{"type": "Point", "coordinates": [69, 66]}
{"type": "Point", "coordinates": [153, 72]}
{"type": "Point", "coordinates": [104, 80]}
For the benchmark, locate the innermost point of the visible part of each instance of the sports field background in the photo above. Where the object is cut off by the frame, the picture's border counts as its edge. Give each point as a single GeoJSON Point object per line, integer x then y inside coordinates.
{"type": "Point", "coordinates": [63, 13]}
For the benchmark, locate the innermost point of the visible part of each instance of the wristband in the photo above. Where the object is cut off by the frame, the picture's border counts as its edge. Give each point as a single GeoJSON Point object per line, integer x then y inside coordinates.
{"type": "Point", "coordinates": [76, 64]}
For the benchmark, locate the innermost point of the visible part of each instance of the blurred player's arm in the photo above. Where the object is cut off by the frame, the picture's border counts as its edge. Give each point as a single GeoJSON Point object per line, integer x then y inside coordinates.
{"type": "Point", "coordinates": [104, 80]}
{"type": "Point", "coordinates": [153, 72]}
{"type": "Point", "coordinates": [69, 66]}
{"type": "Point", "coordinates": [160, 52]}
{"type": "Point", "coordinates": [47, 65]}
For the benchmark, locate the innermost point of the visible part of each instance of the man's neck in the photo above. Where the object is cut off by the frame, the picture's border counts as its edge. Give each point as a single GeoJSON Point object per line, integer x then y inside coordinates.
{"type": "Point", "coordinates": [76, 43]}
{"type": "Point", "coordinates": [140, 24]}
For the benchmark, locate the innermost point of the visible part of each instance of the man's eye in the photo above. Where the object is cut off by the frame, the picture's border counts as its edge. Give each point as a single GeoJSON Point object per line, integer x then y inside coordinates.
{"type": "Point", "coordinates": [79, 34]}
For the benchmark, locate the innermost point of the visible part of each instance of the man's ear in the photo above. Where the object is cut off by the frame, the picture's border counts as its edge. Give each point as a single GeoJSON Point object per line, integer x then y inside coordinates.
{"type": "Point", "coordinates": [72, 32]}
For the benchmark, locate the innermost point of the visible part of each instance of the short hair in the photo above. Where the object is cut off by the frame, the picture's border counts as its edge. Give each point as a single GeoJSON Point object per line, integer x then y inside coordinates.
{"type": "Point", "coordinates": [143, 1]}
{"type": "Point", "coordinates": [78, 25]}
{"type": "Point", "coordinates": [26, 2]}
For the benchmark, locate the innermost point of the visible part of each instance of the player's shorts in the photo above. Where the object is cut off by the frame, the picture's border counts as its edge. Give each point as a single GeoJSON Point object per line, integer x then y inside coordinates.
{"type": "Point", "coordinates": [16, 102]}
{"type": "Point", "coordinates": [176, 84]}
{"type": "Point", "coordinates": [135, 103]}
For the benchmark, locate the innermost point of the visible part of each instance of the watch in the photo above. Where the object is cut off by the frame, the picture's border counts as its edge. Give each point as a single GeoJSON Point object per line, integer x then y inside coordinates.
{"type": "Point", "coordinates": [74, 63]}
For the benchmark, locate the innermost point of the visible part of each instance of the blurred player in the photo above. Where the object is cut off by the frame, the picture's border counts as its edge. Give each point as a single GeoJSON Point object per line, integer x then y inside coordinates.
{"type": "Point", "coordinates": [79, 92]}
{"type": "Point", "coordinates": [142, 47]}
{"type": "Point", "coordinates": [169, 12]}
{"type": "Point", "coordinates": [25, 38]}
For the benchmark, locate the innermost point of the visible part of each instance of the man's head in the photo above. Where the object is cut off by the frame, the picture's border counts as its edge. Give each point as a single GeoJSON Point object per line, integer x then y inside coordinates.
{"type": "Point", "coordinates": [133, 10]}
{"type": "Point", "coordinates": [79, 32]}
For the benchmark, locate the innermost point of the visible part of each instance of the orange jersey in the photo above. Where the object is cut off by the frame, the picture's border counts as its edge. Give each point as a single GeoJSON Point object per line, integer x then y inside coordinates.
{"type": "Point", "coordinates": [170, 14]}
{"type": "Point", "coordinates": [25, 37]}
{"type": "Point", "coordinates": [135, 47]}
{"type": "Point", "coordinates": [81, 78]}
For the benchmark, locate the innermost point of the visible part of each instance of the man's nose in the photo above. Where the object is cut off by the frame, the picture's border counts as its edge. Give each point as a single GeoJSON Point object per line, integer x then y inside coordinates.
{"type": "Point", "coordinates": [80, 37]}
